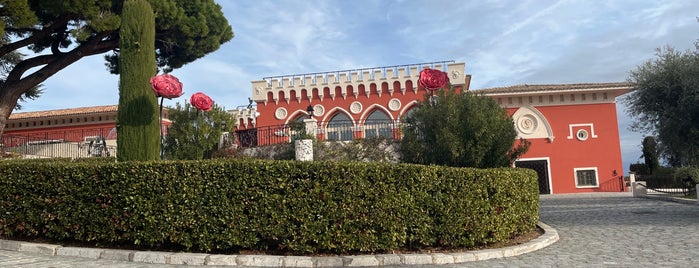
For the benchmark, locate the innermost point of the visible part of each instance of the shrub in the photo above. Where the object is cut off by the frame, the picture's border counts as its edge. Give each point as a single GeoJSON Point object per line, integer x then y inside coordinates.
{"type": "Point", "coordinates": [226, 205]}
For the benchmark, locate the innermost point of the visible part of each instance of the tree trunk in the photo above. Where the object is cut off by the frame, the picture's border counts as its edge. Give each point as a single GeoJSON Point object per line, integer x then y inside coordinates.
{"type": "Point", "coordinates": [138, 125]}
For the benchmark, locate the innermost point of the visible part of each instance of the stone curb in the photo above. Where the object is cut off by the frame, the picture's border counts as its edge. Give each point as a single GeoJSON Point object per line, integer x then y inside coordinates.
{"type": "Point", "coordinates": [549, 237]}
{"type": "Point", "coordinates": [671, 199]}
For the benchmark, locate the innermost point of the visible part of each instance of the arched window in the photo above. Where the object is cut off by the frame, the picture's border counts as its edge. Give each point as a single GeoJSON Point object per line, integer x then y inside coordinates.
{"type": "Point", "coordinates": [409, 113]}
{"type": "Point", "coordinates": [377, 124]}
{"type": "Point", "coordinates": [339, 128]}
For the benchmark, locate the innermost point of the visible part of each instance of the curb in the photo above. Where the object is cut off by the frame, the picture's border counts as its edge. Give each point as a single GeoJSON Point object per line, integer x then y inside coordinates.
{"type": "Point", "coordinates": [549, 237]}
{"type": "Point", "coordinates": [671, 199]}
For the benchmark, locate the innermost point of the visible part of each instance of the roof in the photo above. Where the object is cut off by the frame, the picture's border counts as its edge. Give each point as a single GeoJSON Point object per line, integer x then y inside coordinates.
{"type": "Point", "coordinates": [64, 112]}
{"type": "Point", "coordinates": [553, 88]}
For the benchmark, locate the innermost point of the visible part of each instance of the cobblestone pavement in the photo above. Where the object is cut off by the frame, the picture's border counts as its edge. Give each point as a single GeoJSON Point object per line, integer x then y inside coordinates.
{"type": "Point", "coordinates": [596, 230]}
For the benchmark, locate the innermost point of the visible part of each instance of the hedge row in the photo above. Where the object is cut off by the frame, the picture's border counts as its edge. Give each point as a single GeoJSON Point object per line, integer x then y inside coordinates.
{"type": "Point", "coordinates": [301, 207]}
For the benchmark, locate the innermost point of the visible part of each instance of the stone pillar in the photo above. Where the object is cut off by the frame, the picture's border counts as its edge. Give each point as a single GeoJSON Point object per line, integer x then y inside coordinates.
{"type": "Point", "coordinates": [311, 124]}
{"type": "Point", "coordinates": [304, 150]}
{"type": "Point", "coordinates": [638, 189]}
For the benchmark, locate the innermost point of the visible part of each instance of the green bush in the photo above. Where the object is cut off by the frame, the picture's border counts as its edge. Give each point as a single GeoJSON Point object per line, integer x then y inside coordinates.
{"type": "Point", "coordinates": [689, 175]}
{"type": "Point", "coordinates": [303, 207]}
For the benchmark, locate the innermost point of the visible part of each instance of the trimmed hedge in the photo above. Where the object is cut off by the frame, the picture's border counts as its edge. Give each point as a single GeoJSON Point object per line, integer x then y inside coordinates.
{"type": "Point", "coordinates": [301, 207]}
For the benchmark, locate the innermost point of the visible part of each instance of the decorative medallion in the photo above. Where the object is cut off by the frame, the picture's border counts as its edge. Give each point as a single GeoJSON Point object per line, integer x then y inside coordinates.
{"type": "Point", "coordinates": [258, 90]}
{"type": "Point", "coordinates": [318, 110]}
{"type": "Point", "coordinates": [394, 104]}
{"type": "Point", "coordinates": [455, 74]}
{"type": "Point", "coordinates": [280, 113]}
{"type": "Point", "coordinates": [527, 124]}
{"type": "Point", "coordinates": [356, 107]}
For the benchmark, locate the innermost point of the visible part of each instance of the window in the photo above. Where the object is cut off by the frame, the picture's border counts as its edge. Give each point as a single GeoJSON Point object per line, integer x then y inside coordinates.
{"type": "Point", "coordinates": [339, 128]}
{"type": "Point", "coordinates": [582, 135]}
{"type": "Point", "coordinates": [586, 177]}
{"type": "Point", "coordinates": [378, 125]}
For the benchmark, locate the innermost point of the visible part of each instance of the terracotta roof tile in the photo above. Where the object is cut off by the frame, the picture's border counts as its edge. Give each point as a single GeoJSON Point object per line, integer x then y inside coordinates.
{"type": "Point", "coordinates": [552, 87]}
{"type": "Point", "coordinates": [64, 112]}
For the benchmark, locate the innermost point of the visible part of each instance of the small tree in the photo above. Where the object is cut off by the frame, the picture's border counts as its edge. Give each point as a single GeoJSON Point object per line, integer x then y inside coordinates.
{"type": "Point", "coordinates": [138, 126]}
{"type": "Point", "coordinates": [195, 134]}
{"type": "Point", "coordinates": [650, 154]}
{"type": "Point", "coordinates": [460, 129]}
{"type": "Point", "coordinates": [664, 103]}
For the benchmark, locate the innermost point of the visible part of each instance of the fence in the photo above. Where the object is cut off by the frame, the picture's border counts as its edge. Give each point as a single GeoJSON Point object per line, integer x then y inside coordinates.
{"type": "Point", "coordinates": [666, 184]}
{"type": "Point", "coordinates": [69, 143]}
{"type": "Point", "coordinates": [326, 131]}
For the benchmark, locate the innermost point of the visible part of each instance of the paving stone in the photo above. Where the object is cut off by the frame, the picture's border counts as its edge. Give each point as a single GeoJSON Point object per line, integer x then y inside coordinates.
{"type": "Point", "coordinates": [151, 257]}
{"type": "Point", "coordinates": [328, 261]}
{"type": "Point", "coordinates": [90, 253]}
{"type": "Point", "coordinates": [261, 260]}
{"type": "Point", "coordinates": [188, 258]}
{"type": "Point", "coordinates": [44, 249]}
{"type": "Point", "coordinates": [227, 260]}
{"type": "Point", "coordinates": [297, 261]}
{"type": "Point", "coordinates": [360, 261]}
{"type": "Point", "coordinates": [118, 255]}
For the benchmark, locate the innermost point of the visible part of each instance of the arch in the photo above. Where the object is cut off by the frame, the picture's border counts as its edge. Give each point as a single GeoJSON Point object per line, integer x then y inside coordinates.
{"type": "Point", "coordinates": [295, 115]}
{"type": "Point", "coordinates": [375, 107]}
{"type": "Point", "coordinates": [282, 96]}
{"type": "Point", "coordinates": [329, 114]}
{"type": "Point", "coordinates": [407, 109]}
{"type": "Point", "coordinates": [340, 126]}
{"type": "Point", "coordinates": [530, 123]}
{"type": "Point", "coordinates": [396, 86]}
{"type": "Point", "coordinates": [338, 91]}
{"type": "Point", "coordinates": [326, 91]}
{"type": "Point", "coordinates": [384, 88]}
{"type": "Point", "coordinates": [316, 95]}
{"type": "Point", "coordinates": [372, 90]}
{"type": "Point", "coordinates": [409, 85]}
{"type": "Point", "coordinates": [304, 94]}
{"type": "Point", "coordinates": [293, 96]}
{"type": "Point", "coordinates": [270, 97]}
{"type": "Point", "coordinates": [378, 123]}
{"type": "Point", "coordinates": [350, 90]}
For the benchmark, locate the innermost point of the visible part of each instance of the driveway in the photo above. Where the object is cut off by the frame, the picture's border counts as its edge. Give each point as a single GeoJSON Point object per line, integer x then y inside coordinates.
{"type": "Point", "coordinates": [596, 230]}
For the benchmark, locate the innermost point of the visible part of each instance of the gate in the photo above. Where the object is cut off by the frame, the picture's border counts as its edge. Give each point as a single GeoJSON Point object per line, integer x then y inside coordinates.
{"type": "Point", "coordinates": [542, 170]}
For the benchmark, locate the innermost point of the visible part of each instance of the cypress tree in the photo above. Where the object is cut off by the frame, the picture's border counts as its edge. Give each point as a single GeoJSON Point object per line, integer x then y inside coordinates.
{"type": "Point", "coordinates": [137, 119]}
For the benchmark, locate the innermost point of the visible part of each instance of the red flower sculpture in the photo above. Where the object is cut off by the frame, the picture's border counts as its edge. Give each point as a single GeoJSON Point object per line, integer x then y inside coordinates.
{"type": "Point", "coordinates": [201, 101]}
{"type": "Point", "coordinates": [432, 79]}
{"type": "Point", "coordinates": [166, 86]}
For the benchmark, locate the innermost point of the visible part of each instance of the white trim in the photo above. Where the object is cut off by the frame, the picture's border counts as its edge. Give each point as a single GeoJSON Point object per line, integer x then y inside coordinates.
{"type": "Point", "coordinates": [371, 109]}
{"type": "Point", "coordinates": [592, 130]}
{"type": "Point", "coordinates": [575, 175]}
{"type": "Point", "coordinates": [548, 167]}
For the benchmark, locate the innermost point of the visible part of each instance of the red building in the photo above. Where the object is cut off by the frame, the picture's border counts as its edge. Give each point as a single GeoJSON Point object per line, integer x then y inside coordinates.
{"type": "Point", "coordinates": [572, 128]}
{"type": "Point", "coordinates": [72, 132]}
{"type": "Point", "coordinates": [574, 134]}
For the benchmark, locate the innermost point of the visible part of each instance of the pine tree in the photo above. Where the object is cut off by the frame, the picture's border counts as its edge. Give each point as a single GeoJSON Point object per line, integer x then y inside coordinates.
{"type": "Point", "coordinates": [137, 120]}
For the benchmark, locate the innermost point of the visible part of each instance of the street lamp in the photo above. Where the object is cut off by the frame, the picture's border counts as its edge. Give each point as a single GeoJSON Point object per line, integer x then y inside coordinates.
{"type": "Point", "coordinates": [309, 109]}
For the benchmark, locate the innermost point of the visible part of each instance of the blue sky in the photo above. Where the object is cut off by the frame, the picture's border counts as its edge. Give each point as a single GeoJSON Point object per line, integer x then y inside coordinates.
{"type": "Point", "coordinates": [502, 42]}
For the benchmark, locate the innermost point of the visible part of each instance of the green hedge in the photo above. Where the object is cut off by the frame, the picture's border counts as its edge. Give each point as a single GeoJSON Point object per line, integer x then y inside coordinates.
{"type": "Point", "coordinates": [302, 207]}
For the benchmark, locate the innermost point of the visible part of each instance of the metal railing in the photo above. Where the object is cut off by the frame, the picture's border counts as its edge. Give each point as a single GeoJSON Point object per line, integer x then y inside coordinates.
{"type": "Point", "coordinates": [325, 131]}
{"type": "Point", "coordinates": [68, 143]}
{"type": "Point", "coordinates": [666, 184]}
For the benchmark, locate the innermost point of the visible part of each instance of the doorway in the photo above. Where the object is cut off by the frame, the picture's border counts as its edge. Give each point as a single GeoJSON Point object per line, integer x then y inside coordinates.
{"type": "Point", "coordinates": [542, 170]}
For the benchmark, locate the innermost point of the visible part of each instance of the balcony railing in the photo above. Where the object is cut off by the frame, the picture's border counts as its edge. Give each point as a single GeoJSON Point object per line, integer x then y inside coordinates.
{"type": "Point", "coordinates": [69, 143]}
{"type": "Point", "coordinates": [327, 131]}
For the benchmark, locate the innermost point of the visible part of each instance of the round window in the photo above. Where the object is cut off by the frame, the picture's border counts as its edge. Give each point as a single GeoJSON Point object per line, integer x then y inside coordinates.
{"type": "Point", "coordinates": [582, 134]}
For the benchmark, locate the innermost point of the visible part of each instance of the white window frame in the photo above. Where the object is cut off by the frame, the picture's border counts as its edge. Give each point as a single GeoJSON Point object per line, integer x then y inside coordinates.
{"type": "Point", "coordinates": [575, 173]}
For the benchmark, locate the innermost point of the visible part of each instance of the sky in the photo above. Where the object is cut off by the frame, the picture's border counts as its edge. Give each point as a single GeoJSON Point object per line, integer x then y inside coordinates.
{"type": "Point", "coordinates": [502, 43]}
